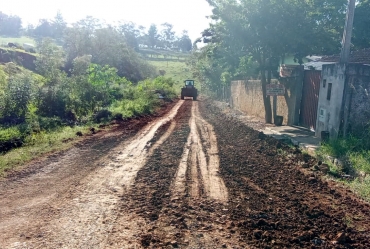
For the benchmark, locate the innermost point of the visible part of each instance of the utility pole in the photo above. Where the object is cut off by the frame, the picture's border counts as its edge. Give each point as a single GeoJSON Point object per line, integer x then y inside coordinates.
{"type": "Point", "coordinates": [347, 34]}
{"type": "Point", "coordinates": [344, 59]}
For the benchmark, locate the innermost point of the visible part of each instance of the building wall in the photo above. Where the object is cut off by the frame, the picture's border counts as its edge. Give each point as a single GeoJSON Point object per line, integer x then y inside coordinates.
{"type": "Point", "coordinates": [246, 96]}
{"type": "Point", "coordinates": [358, 93]}
{"type": "Point", "coordinates": [329, 111]}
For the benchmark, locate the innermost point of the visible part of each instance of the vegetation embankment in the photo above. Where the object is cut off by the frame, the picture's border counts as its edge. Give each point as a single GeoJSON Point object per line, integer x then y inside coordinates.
{"type": "Point", "coordinates": [57, 81]}
{"type": "Point", "coordinates": [349, 162]}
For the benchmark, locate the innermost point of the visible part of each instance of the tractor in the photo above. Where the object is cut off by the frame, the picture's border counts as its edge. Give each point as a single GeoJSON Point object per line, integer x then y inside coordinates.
{"type": "Point", "coordinates": [189, 90]}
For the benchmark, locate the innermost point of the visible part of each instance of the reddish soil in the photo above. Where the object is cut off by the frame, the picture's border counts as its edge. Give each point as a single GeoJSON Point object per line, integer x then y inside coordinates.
{"type": "Point", "coordinates": [195, 179]}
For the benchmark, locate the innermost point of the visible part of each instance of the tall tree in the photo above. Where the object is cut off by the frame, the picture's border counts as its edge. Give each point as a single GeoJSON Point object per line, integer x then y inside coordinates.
{"type": "Point", "coordinates": [267, 30]}
{"type": "Point", "coordinates": [44, 29]}
{"type": "Point", "coordinates": [361, 24]}
{"type": "Point", "coordinates": [153, 36]}
{"type": "Point", "coordinates": [167, 35]}
{"type": "Point", "coordinates": [59, 25]}
{"type": "Point", "coordinates": [184, 42]}
{"type": "Point", "coordinates": [132, 33]}
{"type": "Point", "coordinates": [10, 25]}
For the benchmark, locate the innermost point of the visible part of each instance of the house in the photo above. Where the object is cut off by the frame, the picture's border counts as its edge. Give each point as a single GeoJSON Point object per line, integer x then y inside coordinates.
{"type": "Point", "coordinates": [344, 102]}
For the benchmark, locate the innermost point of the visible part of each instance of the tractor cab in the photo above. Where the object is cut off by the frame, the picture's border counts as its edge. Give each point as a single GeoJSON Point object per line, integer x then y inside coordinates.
{"type": "Point", "coordinates": [189, 83]}
{"type": "Point", "coordinates": [189, 90]}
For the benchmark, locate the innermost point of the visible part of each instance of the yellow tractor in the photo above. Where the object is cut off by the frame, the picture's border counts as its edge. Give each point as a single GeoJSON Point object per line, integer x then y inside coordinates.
{"type": "Point", "coordinates": [189, 90]}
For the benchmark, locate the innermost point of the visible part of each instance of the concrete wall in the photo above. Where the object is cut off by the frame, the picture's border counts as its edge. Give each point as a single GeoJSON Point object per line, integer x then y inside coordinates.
{"type": "Point", "coordinates": [329, 111]}
{"type": "Point", "coordinates": [246, 96]}
{"type": "Point", "coordinates": [357, 99]}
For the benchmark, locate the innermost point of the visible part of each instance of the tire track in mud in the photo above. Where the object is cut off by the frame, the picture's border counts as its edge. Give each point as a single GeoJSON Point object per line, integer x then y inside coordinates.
{"type": "Point", "coordinates": [87, 214]}
{"type": "Point", "coordinates": [272, 203]}
{"type": "Point", "coordinates": [149, 199]}
{"type": "Point", "coordinates": [201, 154]}
{"type": "Point", "coordinates": [171, 204]}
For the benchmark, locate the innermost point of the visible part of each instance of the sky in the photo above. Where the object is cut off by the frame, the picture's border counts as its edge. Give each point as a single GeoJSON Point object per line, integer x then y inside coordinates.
{"type": "Point", "coordinates": [183, 14]}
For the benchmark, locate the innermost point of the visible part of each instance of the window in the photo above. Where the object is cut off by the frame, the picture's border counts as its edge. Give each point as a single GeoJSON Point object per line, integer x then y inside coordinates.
{"type": "Point", "coordinates": [324, 83]}
{"type": "Point", "coordinates": [328, 96]}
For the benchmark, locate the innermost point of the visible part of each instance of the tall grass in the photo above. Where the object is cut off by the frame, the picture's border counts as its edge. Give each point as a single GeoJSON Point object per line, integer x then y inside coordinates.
{"type": "Point", "coordinates": [20, 40]}
{"type": "Point", "coordinates": [38, 144]}
{"type": "Point", "coordinates": [41, 135]}
{"type": "Point", "coordinates": [354, 153]}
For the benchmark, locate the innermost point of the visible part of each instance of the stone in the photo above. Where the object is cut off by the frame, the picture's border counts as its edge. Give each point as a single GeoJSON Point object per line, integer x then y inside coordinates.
{"type": "Point", "coordinates": [305, 166]}
{"type": "Point", "coordinates": [324, 168]}
{"type": "Point", "coordinates": [341, 237]}
{"type": "Point", "coordinates": [257, 234]}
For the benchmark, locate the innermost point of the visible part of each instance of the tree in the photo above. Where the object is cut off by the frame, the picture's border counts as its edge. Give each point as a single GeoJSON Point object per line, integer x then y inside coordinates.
{"type": "Point", "coordinates": [132, 34]}
{"type": "Point", "coordinates": [10, 25]}
{"type": "Point", "coordinates": [184, 42]}
{"type": "Point", "coordinates": [267, 30]}
{"type": "Point", "coordinates": [167, 35]}
{"type": "Point", "coordinates": [44, 29]}
{"type": "Point", "coordinates": [59, 25]}
{"type": "Point", "coordinates": [152, 36]}
{"type": "Point", "coordinates": [361, 24]}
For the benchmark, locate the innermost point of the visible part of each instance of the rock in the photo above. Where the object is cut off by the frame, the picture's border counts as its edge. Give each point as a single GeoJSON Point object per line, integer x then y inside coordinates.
{"type": "Point", "coordinates": [174, 243]}
{"type": "Point", "coordinates": [262, 222]}
{"type": "Point", "coordinates": [305, 166]}
{"type": "Point", "coordinates": [341, 237]}
{"type": "Point", "coordinates": [312, 179]}
{"type": "Point", "coordinates": [324, 168]}
{"type": "Point", "coordinates": [200, 235]}
{"type": "Point", "coordinates": [257, 234]}
{"type": "Point", "coordinates": [224, 246]}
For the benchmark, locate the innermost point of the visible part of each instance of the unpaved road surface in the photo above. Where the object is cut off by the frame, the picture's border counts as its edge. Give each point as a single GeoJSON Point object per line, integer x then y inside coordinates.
{"type": "Point", "coordinates": [190, 177]}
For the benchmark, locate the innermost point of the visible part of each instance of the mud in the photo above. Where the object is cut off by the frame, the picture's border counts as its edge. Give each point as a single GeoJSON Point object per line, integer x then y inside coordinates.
{"type": "Point", "coordinates": [194, 178]}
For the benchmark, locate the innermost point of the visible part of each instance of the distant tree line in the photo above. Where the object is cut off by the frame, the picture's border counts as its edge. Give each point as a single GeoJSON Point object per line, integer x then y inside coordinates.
{"type": "Point", "coordinates": [162, 37]}
{"type": "Point", "coordinates": [10, 25]}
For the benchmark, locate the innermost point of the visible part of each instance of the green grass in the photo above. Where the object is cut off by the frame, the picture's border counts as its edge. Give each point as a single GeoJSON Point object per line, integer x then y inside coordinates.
{"type": "Point", "coordinates": [176, 70]}
{"type": "Point", "coordinates": [356, 156]}
{"type": "Point", "coordinates": [39, 144]}
{"type": "Point", "coordinates": [20, 40]}
{"type": "Point", "coordinates": [361, 186]}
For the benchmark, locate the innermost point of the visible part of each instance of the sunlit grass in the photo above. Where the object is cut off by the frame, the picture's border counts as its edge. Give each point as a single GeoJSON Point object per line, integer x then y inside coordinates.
{"type": "Point", "coordinates": [20, 40]}
{"type": "Point", "coordinates": [39, 144]}
{"type": "Point", "coordinates": [177, 70]}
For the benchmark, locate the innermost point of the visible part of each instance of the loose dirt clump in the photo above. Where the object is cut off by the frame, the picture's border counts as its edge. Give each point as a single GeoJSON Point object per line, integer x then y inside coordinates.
{"type": "Point", "coordinates": [193, 178]}
{"type": "Point", "coordinates": [274, 204]}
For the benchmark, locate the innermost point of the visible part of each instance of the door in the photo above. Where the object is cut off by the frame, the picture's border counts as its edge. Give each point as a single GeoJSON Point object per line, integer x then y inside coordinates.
{"type": "Point", "coordinates": [310, 98]}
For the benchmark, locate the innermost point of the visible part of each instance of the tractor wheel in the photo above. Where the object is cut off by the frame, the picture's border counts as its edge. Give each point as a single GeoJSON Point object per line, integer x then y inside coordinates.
{"type": "Point", "coordinates": [194, 98]}
{"type": "Point", "coordinates": [182, 96]}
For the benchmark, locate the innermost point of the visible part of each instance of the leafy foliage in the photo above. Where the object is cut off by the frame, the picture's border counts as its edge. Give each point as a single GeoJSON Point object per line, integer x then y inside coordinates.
{"type": "Point", "coordinates": [252, 36]}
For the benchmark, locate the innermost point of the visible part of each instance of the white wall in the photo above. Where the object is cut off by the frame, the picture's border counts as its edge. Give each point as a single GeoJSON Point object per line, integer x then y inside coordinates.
{"type": "Point", "coordinates": [329, 111]}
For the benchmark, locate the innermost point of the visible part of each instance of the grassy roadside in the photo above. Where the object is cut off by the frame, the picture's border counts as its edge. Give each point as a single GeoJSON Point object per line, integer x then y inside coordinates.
{"type": "Point", "coordinates": [20, 40]}
{"type": "Point", "coordinates": [38, 137]}
{"type": "Point", "coordinates": [349, 158]}
{"type": "Point", "coordinates": [39, 144]}
{"type": "Point", "coordinates": [177, 70]}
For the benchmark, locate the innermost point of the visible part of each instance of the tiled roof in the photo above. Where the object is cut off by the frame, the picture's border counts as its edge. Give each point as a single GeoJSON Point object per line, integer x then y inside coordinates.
{"type": "Point", "coordinates": [359, 56]}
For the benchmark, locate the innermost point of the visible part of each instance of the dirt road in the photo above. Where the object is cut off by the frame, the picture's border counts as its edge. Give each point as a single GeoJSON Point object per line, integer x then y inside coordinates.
{"type": "Point", "coordinates": [189, 178]}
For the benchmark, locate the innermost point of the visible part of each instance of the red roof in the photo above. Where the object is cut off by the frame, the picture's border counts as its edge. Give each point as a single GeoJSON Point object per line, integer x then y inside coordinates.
{"type": "Point", "coordinates": [359, 56]}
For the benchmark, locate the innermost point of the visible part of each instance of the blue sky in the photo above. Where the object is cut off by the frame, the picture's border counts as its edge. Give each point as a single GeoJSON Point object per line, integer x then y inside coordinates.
{"type": "Point", "coordinates": [183, 14]}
